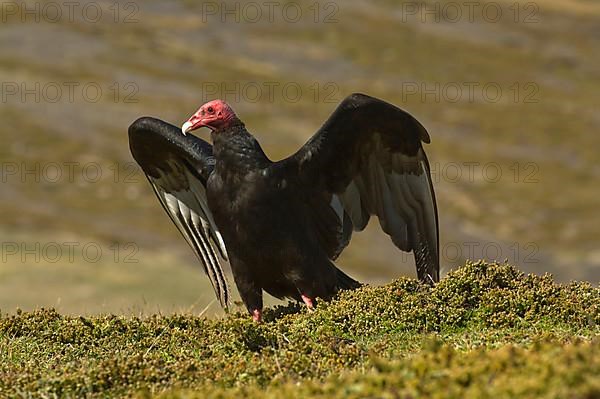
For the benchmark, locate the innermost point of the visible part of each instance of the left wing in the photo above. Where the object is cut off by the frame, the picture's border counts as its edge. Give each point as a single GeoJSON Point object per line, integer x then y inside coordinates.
{"type": "Point", "coordinates": [367, 159]}
{"type": "Point", "coordinates": [177, 168]}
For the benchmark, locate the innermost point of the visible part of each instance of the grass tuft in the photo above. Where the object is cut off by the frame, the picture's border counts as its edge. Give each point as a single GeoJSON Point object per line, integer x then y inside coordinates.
{"type": "Point", "coordinates": [484, 330]}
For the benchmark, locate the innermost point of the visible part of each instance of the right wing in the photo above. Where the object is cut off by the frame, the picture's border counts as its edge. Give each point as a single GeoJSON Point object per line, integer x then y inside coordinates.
{"type": "Point", "coordinates": [178, 168]}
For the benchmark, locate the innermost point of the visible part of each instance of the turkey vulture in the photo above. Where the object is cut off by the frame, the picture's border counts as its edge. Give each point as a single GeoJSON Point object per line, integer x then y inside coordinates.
{"type": "Point", "coordinates": [280, 225]}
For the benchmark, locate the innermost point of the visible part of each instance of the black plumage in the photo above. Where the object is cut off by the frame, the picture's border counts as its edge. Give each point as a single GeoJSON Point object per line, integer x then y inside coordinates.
{"type": "Point", "coordinates": [281, 224]}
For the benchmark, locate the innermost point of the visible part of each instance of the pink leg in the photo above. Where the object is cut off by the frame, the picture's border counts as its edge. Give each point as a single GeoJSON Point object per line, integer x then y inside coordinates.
{"type": "Point", "coordinates": [257, 315]}
{"type": "Point", "coordinates": [308, 301]}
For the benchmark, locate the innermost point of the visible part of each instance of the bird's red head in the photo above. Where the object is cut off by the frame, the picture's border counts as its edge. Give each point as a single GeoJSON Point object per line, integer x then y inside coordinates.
{"type": "Point", "coordinates": [215, 115]}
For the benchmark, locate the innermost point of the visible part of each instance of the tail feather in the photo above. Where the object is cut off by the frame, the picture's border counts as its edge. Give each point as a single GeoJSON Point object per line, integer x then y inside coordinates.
{"type": "Point", "coordinates": [346, 282]}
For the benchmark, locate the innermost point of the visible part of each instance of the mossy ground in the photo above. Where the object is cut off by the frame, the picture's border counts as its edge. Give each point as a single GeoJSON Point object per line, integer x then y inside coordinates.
{"type": "Point", "coordinates": [484, 330]}
{"type": "Point", "coordinates": [542, 211]}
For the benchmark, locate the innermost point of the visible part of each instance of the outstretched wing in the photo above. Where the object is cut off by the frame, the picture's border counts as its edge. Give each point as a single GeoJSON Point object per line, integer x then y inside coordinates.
{"type": "Point", "coordinates": [368, 159]}
{"type": "Point", "coordinates": [178, 167]}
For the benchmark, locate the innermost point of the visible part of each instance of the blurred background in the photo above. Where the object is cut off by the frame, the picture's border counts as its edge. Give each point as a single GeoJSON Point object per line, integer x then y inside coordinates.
{"type": "Point", "coordinates": [507, 90]}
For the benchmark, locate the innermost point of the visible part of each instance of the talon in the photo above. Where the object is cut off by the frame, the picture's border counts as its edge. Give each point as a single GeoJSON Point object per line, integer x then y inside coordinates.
{"type": "Point", "coordinates": [257, 315]}
{"type": "Point", "coordinates": [309, 302]}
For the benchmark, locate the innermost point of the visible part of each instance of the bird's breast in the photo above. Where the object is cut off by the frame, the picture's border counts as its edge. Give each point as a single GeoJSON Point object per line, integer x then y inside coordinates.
{"type": "Point", "coordinates": [255, 207]}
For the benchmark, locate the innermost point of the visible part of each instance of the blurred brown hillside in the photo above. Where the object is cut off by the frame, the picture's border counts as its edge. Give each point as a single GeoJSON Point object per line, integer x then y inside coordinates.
{"type": "Point", "coordinates": [508, 92]}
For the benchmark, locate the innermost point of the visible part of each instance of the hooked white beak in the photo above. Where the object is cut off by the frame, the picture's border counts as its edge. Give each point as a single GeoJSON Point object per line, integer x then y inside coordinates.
{"type": "Point", "coordinates": [186, 127]}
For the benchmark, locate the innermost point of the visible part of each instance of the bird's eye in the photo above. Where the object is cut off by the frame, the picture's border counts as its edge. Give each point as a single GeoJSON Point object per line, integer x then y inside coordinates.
{"type": "Point", "coordinates": [210, 110]}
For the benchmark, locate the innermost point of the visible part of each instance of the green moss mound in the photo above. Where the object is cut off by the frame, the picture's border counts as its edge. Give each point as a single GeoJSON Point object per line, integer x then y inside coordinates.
{"type": "Point", "coordinates": [547, 370]}
{"type": "Point", "coordinates": [404, 337]}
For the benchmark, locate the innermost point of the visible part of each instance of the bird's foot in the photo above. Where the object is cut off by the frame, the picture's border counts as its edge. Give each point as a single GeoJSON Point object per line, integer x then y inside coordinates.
{"type": "Point", "coordinates": [309, 302]}
{"type": "Point", "coordinates": [257, 315]}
